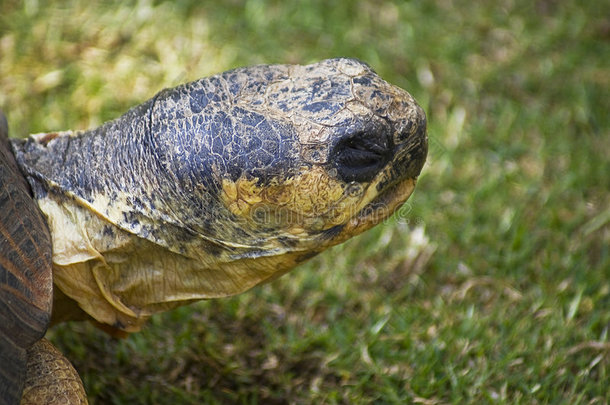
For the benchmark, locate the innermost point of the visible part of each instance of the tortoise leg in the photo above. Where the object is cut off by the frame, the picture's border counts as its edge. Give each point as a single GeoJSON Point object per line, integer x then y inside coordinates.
{"type": "Point", "coordinates": [50, 378]}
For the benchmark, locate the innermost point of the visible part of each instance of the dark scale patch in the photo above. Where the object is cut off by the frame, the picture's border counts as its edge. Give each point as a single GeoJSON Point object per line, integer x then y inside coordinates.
{"type": "Point", "coordinates": [365, 80]}
{"type": "Point", "coordinates": [118, 325]}
{"type": "Point", "coordinates": [137, 203]}
{"type": "Point", "coordinates": [108, 230]}
{"type": "Point", "coordinates": [198, 100]}
{"type": "Point", "coordinates": [218, 145]}
{"type": "Point", "coordinates": [316, 87]}
{"type": "Point", "coordinates": [214, 250]}
{"type": "Point", "coordinates": [252, 143]}
{"type": "Point", "coordinates": [272, 146]}
{"type": "Point", "coordinates": [382, 184]}
{"type": "Point", "coordinates": [288, 242]}
{"type": "Point", "coordinates": [318, 106]}
{"type": "Point", "coordinates": [240, 234]}
{"type": "Point", "coordinates": [234, 170]}
{"type": "Point", "coordinates": [381, 96]}
{"type": "Point", "coordinates": [248, 119]}
{"type": "Point", "coordinates": [130, 219]}
{"type": "Point", "coordinates": [306, 256]}
{"type": "Point", "coordinates": [235, 86]}
{"type": "Point", "coordinates": [331, 232]}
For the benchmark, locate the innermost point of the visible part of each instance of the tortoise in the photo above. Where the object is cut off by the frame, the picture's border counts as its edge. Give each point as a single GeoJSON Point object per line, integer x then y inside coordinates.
{"type": "Point", "coordinates": [204, 191]}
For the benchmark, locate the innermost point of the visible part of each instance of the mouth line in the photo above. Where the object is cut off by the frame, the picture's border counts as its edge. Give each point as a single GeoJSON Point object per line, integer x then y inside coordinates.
{"type": "Point", "coordinates": [387, 202]}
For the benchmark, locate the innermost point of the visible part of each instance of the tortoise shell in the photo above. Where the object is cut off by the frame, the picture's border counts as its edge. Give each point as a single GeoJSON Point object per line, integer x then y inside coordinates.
{"type": "Point", "coordinates": [26, 285]}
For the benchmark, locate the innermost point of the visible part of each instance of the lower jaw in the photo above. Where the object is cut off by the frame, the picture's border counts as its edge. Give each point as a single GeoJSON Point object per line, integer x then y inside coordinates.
{"type": "Point", "coordinates": [380, 208]}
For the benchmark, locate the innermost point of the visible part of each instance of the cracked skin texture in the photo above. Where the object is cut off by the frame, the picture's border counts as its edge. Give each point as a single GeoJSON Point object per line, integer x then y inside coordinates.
{"type": "Point", "coordinates": [218, 185]}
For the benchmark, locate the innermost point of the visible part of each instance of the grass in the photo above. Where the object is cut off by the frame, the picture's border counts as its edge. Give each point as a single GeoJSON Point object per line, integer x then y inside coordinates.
{"type": "Point", "coordinates": [492, 286]}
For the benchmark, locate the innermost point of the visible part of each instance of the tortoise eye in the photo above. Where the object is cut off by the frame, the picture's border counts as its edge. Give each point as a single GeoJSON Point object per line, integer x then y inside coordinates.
{"type": "Point", "coordinates": [361, 156]}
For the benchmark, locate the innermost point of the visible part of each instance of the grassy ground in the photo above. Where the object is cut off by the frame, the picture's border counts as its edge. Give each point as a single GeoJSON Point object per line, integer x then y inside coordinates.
{"type": "Point", "coordinates": [492, 285]}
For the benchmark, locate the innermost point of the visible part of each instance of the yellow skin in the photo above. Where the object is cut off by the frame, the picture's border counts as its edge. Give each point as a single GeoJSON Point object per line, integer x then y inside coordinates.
{"type": "Point", "coordinates": [110, 279]}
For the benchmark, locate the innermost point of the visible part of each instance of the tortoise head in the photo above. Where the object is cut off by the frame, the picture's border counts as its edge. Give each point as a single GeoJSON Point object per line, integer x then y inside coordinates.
{"type": "Point", "coordinates": [288, 158]}
{"type": "Point", "coordinates": [220, 184]}
{"type": "Point", "coordinates": [257, 161]}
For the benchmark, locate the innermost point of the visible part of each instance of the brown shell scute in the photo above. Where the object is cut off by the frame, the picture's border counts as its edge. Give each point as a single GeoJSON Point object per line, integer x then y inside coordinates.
{"type": "Point", "coordinates": [25, 271]}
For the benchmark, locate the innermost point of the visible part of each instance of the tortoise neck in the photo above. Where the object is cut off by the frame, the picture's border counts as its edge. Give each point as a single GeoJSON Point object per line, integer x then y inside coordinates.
{"type": "Point", "coordinates": [103, 160]}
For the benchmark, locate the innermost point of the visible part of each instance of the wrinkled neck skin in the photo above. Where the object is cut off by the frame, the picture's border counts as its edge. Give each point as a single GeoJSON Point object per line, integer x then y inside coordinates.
{"type": "Point", "coordinates": [130, 238]}
{"type": "Point", "coordinates": [218, 185]}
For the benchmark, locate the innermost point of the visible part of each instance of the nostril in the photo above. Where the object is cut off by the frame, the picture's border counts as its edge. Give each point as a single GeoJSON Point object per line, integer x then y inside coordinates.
{"type": "Point", "coordinates": [361, 156]}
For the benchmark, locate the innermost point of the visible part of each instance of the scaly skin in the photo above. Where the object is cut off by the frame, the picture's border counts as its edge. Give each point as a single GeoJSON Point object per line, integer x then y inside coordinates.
{"type": "Point", "coordinates": [50, 378]}
{"type": "Point", "coordinates": [218, 185]}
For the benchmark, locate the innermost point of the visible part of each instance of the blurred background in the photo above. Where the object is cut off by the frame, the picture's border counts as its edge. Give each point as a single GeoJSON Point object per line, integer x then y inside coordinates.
{"type": "Point", "coordinates": [492, 284]}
